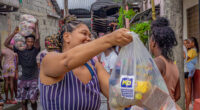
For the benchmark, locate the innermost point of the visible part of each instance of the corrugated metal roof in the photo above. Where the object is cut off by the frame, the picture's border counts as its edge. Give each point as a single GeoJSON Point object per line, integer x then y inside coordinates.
{"type": "Point", "coordinates": [85, 4]}
{"type": "Point", "coordinates": [104, 3]}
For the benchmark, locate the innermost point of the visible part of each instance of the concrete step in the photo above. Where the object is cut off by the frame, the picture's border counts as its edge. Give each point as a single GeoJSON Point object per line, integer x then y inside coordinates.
{"type": "Point", "coordinates": [11, 106]}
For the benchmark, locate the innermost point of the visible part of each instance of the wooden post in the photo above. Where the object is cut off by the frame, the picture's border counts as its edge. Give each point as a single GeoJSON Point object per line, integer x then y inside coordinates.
{"type": "Point", "coordinates": [124, 4]}
{"type": "Point", "coordinates": [153, 10]}
{"type": "Point", "coordinates": [126, 20]}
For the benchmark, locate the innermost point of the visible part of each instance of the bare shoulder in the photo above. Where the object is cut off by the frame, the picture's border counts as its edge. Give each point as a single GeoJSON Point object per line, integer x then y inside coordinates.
{"type": "Point", "coordinates": [51, 56]}
{"type": "Point", "coordinates": [160, 64]}
{"type": "Point", "coordinates": [159, 61]}
{"type": "Point", "coordinates": [50, 69]}
{"type": "Point", "coordinates": [46, 80]}
{"type": "Point", "coordinates": [50, 60]}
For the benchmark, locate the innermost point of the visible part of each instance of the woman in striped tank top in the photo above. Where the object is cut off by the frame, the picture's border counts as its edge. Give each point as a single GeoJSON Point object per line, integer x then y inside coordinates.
{"type": "Point", "coordinates": [71, 80]}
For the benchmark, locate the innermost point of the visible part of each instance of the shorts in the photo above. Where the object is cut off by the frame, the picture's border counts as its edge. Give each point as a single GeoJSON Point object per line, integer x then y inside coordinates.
{"type": "Point", "coordinates": [191, 74]}
{"type": "Point", "coordinates": [27, 90]}
{"type": "Point", "coordinates": [191, 66]}
{"type": "Point", "coordinates": [8, 70]}
{"type": "Point", "coordinates": [186, 74]}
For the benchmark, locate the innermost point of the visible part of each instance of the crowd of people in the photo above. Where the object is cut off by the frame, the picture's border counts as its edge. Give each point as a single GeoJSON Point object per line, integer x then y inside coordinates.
{"type": "Point", "coordinates": [74, 70]}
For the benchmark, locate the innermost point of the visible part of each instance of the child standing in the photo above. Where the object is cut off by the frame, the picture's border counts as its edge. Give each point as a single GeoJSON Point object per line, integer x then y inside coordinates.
{"type": "Point", "coordinates": [9, 68]}
{"type": "Point", "coordinates": [192, 54]}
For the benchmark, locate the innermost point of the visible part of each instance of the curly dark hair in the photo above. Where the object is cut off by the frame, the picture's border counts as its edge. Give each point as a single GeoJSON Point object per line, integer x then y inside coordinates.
{"type": "Point", "coordinates": [164, 37]}
{"type": "Point", "coordinates": [70, 23]}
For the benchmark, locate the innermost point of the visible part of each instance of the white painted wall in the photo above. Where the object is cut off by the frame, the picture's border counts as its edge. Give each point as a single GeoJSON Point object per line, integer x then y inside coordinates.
{"type": "Point", "coordinates": [187, 4]}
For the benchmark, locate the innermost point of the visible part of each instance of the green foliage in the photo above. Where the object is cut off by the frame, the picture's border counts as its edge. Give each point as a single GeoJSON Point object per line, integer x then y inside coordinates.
{"type": "Point", "coordinates": [127, 14]}
{"type": "Point", "coordinates": [141, 29]}
{"type": "Point", "coordinates": [120, 18]}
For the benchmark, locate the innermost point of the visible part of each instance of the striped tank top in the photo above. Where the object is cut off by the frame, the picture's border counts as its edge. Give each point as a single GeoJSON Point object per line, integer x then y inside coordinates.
{"type": "Point", "coordinates": [71, 94]}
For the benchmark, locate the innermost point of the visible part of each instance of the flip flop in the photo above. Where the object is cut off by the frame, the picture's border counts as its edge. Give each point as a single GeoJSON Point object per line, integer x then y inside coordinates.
{"type": "Point", "coordinates": [7, 102]}
{"type": "Point", "coordinates": [13, 102]}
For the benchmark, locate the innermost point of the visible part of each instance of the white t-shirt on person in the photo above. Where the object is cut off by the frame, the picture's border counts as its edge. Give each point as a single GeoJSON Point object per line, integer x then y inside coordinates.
{"type": "Point", "coordinates": [109, 61]}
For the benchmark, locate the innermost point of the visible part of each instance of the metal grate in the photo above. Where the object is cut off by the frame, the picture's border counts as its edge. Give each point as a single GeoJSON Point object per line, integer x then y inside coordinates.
{"type": "Point", "coordinates": [193, 22]}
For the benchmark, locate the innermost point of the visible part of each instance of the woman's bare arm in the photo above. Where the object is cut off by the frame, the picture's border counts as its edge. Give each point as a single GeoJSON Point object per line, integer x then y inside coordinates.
{"type": "Point", "coordinates": [57, 64]}
{"type": "Point", "coordinates": [103, 77]}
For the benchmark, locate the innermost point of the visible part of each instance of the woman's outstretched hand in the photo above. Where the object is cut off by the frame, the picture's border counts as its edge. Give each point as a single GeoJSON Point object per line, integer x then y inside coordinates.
{"type": "Point", "coordinates": [120, 37]}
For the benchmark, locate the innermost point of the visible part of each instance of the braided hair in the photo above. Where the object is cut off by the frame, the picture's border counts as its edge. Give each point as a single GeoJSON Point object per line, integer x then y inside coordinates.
{"type": "Point", "coordinates": [70, 24]}
{"type": "Point", "coordinates": [164, 36]}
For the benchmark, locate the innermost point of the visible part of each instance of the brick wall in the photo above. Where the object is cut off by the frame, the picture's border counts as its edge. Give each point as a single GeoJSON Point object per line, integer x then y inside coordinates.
{"type": "Point", "coordinates": [40, 9]}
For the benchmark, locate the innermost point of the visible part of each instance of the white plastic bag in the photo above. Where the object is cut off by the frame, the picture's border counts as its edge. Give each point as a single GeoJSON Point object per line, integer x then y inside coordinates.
{"type": "Point", "coordinates": [29, 18]}
{"type": "Point", "coordinates": [19, 42]}
{"type": "Point", "coordinates": [27, 25]}
{"type": "Point", "coordinates": [26, 28]}
{"type": "Point", "coordinates": [136, 80]}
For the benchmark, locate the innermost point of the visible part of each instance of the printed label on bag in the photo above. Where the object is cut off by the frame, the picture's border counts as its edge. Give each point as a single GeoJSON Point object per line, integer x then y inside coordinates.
{"type": "Point", "coordinates": [127, 86]}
